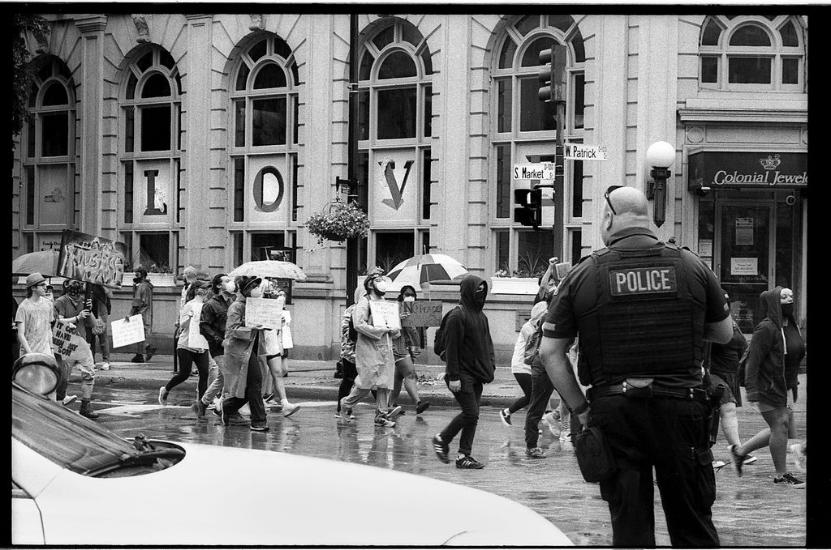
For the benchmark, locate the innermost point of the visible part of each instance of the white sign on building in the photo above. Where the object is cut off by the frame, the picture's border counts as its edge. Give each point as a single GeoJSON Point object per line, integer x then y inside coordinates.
{"type": "Point", "coordinates": [582, 151]}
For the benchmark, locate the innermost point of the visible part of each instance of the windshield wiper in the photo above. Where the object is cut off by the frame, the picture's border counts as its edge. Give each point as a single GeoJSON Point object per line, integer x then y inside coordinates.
{"type": "Point", "coordinates": [147, 455]}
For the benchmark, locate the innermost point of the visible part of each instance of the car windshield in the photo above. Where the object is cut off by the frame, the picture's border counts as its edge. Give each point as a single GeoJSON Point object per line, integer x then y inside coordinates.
{"type": "Point", "coordinates": [62, 436]}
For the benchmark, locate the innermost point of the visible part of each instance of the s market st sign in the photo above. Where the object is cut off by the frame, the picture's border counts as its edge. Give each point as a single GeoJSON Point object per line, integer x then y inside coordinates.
{"type": "Point", "coordinates": [732, 170]}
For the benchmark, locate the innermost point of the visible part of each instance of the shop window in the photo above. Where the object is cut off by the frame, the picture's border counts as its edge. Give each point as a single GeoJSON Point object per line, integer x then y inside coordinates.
{"type": "Point", "coordinates": [393, 248]}
{"type": "Point", "coordinates": [765, 53]}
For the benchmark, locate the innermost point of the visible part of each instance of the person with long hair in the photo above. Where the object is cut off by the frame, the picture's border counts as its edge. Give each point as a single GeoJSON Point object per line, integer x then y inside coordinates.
{"type": "Point", "coordinates": [519, 368]}
{"type": "Point", "coordinates": [772, 366]}
{"type": "Point", "coordinates": [405, 349]}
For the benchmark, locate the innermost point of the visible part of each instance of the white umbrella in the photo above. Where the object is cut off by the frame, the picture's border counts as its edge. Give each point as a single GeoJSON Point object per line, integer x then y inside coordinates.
{"type": "Point", "coordinates": [425, 268]}
{"type": "Point", "coordinates": [270, 268]}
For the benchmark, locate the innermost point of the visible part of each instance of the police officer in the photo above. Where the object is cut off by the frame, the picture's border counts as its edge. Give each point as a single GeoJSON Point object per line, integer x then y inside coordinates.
{"type": "Point", "coordinates": [643, 310]}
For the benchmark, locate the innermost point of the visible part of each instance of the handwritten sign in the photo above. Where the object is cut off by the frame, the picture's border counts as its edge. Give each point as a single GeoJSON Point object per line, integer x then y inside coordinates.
{"type": "Point", "coordinates": [91, 259]}
{"type": "Point", "coordinates": [267, 312]}
{"type": "Point", "coordinates": [62, 339]}
{"type": "Point", "coordinates": [384, 314]}
{"type": "Point", "coordinates": [195, 338]}
{"type": "Point", "coordinates": [421, 314]}
{"type": "Point", "coordinates": [127, 332]}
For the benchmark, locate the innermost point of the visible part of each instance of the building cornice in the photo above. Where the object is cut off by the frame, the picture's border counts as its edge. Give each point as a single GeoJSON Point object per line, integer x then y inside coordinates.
{"type": "Point", "coordinates": [744, 115]}
{"type": "Point", "coordinates": [91, 23]}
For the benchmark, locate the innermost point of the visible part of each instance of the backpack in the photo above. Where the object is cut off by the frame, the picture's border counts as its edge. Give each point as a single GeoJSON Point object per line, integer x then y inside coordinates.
{"type": "Point", "coordinates": [353, 334]}
{"type": "Point", "coordinates": [532, 346]}
{"type": "Point", "coordinates": [438, 342]}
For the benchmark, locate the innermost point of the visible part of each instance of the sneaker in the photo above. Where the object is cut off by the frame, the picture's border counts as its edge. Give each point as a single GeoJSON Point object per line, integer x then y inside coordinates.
{"type": "Point", "coordinates": [534, 452]}
{"type": "Point", "coordinates": [163, 396]}
{"type": "Point", "coordinates": [151, 351]}
{"type": "Point", "coordinates": [105, 366]}
{"type": "Point", "coordinates": [346, 414]}
{"type": "Point", "coordinates": [719, 464]}
{"type": "Point", "coordinates": [798, 456]}
{"type": "Point", "coordinates": [259, 427]}
{"type": "Point", "coordinates": [69, 399]}
{"type": "Point", "coordinates": [552, 423]}
{"type": "Point", "coordinates": [289, 409]}
{"type": "Point", "coordinates": [467, 462]}
{"type": "Point", "coordinates": [738, 460]}
{"type": "Point", "coordinates": [216, 407]}
{"type": "Point", "coordinates": [505, 417]}
{"type": "Point", "coordinates": [268, 397]}
{"type": "Point", "coordinates": [565, 436]}
{"type": "Point", "coordinates": [199, 408]}
{"type": "Point", "coordinates": [422, 406]}
{"type": "Point", "coordinates": [337, 414]}
{"type": "Point", "coordinates": [137, 358]}
{"type": "Point", "coordinates": [749, 459]}
{"type": "Point", "coordinates": [393, 413]}
{"type": "Point", "coordinates": [441, 448]}
{"type": "Point", "coordinates": [382, 421]}
{"type": "Point", "coordinates": [788, 479]}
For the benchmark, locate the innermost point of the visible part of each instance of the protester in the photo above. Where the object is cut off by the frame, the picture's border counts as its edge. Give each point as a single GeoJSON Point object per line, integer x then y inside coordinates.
{"type": "Point", "coordinates": [547, 282]}
{"type": "Point", "coordinates": [72, 309]}
{"type": "Point", "coordinates": [405, 349]}
{"type": "Point", "coordinates": [190, 350]}
{"type": "Point", "coordinates": [143, 305]}
{"type": "Point", "coordinates": [189, 275]}
{"type": "Point", "coordinates": [34, 318]}
{"type": "Point", "coordinates": [15, 347]}
{"type": "Point", "coordinates": [470, 363]}
{"type": "Point", "coordinates": [212, 326]}
{"type": "Point", "coordinates": [373, 356]}
{"type": "Point", "coordinates": [273, 346]}
{"type": "Point", "coordinates": [519, 367]}
{"type": "Point", "coordinates": [348, 339]}
{"type": "Point", "coordinates": [641, 351]}
{"type": "Point", "coordinates": [772, 367]}
{"type": "Point", "coordinates": [243, 371]}
{"type": "Point", "coordinates": [101, 309]}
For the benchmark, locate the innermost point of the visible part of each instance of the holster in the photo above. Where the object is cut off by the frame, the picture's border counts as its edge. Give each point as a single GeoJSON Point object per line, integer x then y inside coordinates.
{"type": "Point", "coordinates": [594, 455]}
{"type": "Point", "coordinates": [714, 394]}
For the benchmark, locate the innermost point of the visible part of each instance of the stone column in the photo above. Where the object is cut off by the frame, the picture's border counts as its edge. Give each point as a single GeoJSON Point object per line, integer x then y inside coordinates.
{"type": "Point", "coordinates": [91, 100]}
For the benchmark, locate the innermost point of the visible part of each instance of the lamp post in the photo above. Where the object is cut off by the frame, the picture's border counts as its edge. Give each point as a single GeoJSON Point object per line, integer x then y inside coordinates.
{"type": "Point", "coordinates": [660, 156]}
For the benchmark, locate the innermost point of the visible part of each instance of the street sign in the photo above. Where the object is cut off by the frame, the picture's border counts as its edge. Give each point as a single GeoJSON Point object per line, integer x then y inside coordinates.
{"type": "Point", "coordinates": [534, 171]}
{"type": "Point", "coordinates": [582, 151]}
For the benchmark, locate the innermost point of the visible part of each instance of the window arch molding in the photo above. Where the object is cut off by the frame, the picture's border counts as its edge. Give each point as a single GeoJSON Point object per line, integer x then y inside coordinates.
{"type": "Point", "coordinates": [752, 53]}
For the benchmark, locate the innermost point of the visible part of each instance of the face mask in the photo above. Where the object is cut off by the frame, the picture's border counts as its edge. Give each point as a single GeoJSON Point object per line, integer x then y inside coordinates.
{"type": "Point", "coordinates": [479, 297]}
{"type": "Point", "coordinates": [409, 298]}
{"type": "Point", "coordinates": [137, 280]}
{"type": "Point", "coordinates": [256, 293]}
{"type": "Point", "coordinates": [229, 286]}
{"type": "Point", "coordinates": [74, 291]}
{"type": "Point", "coordinates": [787, 309]}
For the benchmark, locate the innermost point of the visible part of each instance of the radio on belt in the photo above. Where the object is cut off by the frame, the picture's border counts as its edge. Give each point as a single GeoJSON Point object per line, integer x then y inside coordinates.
{"type": "Point", "coordinates": [642, 280]}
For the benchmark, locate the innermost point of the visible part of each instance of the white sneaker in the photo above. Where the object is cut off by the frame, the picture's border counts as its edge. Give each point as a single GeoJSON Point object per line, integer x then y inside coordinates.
{"type": "Point", "coordinates": [162, 397]}
{"type": "Point", "coordinates": [69, 399]}
{"type": "Point", "coordinates": [565, 436]}
{"type": "Point", "coordinates": [289, 409]}
{"type": "Point", "coordinates": [798, 456]}
{"type": "Point", "coordinates": [105, 366]}
{"type": "Point", "coordinates": [552, 423]}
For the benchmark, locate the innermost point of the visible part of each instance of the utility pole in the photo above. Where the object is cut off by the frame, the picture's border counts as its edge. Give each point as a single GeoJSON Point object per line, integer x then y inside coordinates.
{"type": "Point", "coordinates": [356, 187]}
{"type": "Point", "coordinates": [551, 77]}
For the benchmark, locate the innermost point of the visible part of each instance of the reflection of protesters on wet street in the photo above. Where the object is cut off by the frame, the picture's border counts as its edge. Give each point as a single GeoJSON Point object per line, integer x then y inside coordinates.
{"type": "Point", "coordinates": [143, 304]}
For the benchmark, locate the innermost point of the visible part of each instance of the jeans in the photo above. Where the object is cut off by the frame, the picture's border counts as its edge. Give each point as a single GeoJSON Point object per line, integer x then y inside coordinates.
{"type": "Point", "coordinates": [673, 436]}
{"type": "Point", "coordinates": [541, 390]}
{"type": "Point", "coordinates": [524, 381]}
{"type": "Point", "coordinates": [217, 380]}
{"type": "Point", "coordinates": [349, 375]}
{"type": "Point", "coordinates": [253, 394]}
{"type": "Point", "coordinates": [186, 358]}
{"type": "Point", "coordinates": [468, 398]}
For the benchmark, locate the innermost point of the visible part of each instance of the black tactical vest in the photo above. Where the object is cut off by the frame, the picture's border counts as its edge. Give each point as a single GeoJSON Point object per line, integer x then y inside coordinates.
{"type": "Point", "coordinates": [646, 322]}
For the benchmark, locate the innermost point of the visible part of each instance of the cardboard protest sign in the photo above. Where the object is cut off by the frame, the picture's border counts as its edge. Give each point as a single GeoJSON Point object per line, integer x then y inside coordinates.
{"type": "Point", "coordinates": [91, 259]}
{"type": "Point", "coordinates": [384, 314]}
{"type": "Point", "coordinates": [127, 332]}
{"type": "Point", "coordinates": [195, 338]}
{"type": "Point", "coordinates": [68, 343]}
{"type": "Point", "coordinates": [267, 312]}
{"type": "Point", "coordinates": [421, 314]}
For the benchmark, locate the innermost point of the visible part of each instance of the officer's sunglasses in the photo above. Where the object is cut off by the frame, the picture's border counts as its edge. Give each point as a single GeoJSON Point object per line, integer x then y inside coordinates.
{"type": "Point", "coordinates": [606, 196]}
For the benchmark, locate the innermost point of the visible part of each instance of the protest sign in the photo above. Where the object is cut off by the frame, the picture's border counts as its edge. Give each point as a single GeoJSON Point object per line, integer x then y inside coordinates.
{"type": "Point", "coordinates": [62, 338]}
{"type": "Point", "coordinates": [267, 312]}
{"type": "Point", "coordinates": [421, 314]}
{"type": "Point", "coordinates": [195, 338]}
{"type": "Point", "coordinates": [384, 314]}
{"type": "Point", "coordinates": [127, 332]}
{"type": "Point", "coordinates": [91, 259]}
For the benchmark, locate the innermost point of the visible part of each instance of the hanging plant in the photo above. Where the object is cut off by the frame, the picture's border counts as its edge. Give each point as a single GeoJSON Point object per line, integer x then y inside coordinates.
{"type": "Point", "coordinates": [338, 222]}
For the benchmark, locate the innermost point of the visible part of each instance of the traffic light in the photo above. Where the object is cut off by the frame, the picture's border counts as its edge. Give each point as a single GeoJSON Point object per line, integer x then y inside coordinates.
{"type": "Point", "coordinates": [546, 75]}
{"type": "Point", "coordinates": [528, 209]}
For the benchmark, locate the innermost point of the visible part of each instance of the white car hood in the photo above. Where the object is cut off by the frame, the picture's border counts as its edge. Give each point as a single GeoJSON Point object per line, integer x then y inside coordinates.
{"type": "Point", "coordinates": [229, 496]}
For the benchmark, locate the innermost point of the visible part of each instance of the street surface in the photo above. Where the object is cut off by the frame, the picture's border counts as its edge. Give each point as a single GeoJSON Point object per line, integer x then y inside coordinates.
{"type": "Point", "coordinates": [749, 511]}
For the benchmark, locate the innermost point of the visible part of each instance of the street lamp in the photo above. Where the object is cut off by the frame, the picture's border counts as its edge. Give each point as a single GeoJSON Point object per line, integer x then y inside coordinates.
{"type": "Point", "coordinates": [660, 157]}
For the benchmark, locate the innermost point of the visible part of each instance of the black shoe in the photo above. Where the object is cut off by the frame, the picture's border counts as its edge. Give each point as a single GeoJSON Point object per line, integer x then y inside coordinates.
{"type": "Point", "coordinates": [441, 448]}
{"type": "Point", "coordinates": [137, 358]}
{"type": "Point", "coordinates": [738, 460]}
{"type": "Point", "coordinates": [422, 406]}
{"type": "Point", "coordinates": [467, 462]}
{"type": "Point", "coordinates": [788, 479]}
{"type": "Point", "coordinates": [199, 408]}
{"type": "Point", "coordinates": [86, 410]}
{"type": "Point", "coordinates": [151, 351]}
{"type": "Point", "coordinates": [259, 427]}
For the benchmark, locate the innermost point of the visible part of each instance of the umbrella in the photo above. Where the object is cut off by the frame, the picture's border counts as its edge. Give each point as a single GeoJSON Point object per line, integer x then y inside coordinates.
{"type": "Point", "coordinates": [270, 268]}
{"type": "Point", "coordinates": [44, 262]}
{"type": "Point", "coordinates": [426, 268]}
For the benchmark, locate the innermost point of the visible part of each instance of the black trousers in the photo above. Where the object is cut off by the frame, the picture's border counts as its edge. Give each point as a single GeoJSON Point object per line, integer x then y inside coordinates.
{"type": "Point", "coordinates": [349, 375]}
{"type": "Point", "coordinates": [541, 390]}
{"type": "Point", "coordinates": [672, 435]}
{"type": "Point", "coordinates": [466, 421]}
{"type": "Point", "coordinates": [524, 381]}
{"type": "Point", "coordinates": [186, 359]}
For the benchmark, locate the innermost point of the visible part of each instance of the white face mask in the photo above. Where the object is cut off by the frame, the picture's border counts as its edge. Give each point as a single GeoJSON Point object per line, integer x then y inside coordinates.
{"type": "Point", "coordinates": [256, 293]}
{"type": "Point", "coordinates": [229, 286]}
{"type": "Point", "coordinates": [409, 298]}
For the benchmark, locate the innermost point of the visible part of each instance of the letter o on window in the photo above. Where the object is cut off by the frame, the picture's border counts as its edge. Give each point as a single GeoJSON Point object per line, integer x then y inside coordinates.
{"type": "Point", "coordinates": [268, 189]}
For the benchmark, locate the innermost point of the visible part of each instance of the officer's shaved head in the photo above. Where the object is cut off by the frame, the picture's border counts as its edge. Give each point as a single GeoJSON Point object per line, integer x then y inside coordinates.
{"type": "Point", "coordinates": [630, 210]}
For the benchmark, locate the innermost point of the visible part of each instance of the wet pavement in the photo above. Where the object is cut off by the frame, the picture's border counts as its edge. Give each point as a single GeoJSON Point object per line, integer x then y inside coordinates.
{"type": "Point", "coordinates": [749, 511]}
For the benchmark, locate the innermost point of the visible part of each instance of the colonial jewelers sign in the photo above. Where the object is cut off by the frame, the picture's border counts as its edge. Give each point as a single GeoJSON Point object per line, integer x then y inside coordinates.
{"type": "Point", "coordinates": [758, 170]}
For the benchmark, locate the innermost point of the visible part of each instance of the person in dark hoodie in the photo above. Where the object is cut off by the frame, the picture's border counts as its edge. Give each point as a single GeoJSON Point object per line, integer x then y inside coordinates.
{"type": "Point", "coordinates": [470, 363]}
{"type": "Point", "coordinates": [772, 365]}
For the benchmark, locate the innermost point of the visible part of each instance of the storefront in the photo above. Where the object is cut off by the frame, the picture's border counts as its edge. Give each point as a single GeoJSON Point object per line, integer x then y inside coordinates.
{"type": "Point", "coordinates": [751, 224]}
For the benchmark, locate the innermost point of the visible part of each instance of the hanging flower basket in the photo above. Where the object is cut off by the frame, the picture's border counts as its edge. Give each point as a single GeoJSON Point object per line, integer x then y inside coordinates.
{"type": "Point", "coordinates": [338, 222]}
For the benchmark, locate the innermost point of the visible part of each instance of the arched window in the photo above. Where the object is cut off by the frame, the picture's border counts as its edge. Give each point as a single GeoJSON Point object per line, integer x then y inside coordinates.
{"type": "Point", "coordinates": [151, 149]}
{"type": "Point", "coordinates": [48, 200]}
{"type": "Point", "coordinates": [394, 119]}
{"type": "Point", "coordinates": [263, 147]}
{"type": "Point", "coordinates": [523, 131]}
{"type": "Point", "coordinates": [752, 53]}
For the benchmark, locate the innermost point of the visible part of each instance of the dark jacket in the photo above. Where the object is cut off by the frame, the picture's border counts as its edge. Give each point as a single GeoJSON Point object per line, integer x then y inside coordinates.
{"type": "Point", "coordinates": [212, 322]}
{"type": "Point", "coordinates": [468, 339]}
{"type": "Point", "coordinates": [769, 372]}
{"type": "Point", "coordinates": [724, 358]}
